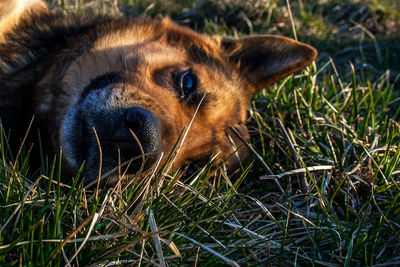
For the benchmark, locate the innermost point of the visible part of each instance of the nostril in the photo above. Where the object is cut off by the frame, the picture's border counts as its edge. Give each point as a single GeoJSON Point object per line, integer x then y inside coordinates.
{"type": "Point", "coordinates": [133, 120]}
{"type": "Point", "coordinates": [144, 125]}
{"type": "Point", "coordinates": [133, 124]}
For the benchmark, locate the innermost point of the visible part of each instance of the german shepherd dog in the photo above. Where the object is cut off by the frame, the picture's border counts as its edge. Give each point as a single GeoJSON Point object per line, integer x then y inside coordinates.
{"type": "Point", "coordinates": [109, 90]}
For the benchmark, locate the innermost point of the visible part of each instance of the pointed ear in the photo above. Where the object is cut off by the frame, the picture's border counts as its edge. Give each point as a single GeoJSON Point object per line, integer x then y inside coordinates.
{"type": "Point", "coordinates": [265, 59]}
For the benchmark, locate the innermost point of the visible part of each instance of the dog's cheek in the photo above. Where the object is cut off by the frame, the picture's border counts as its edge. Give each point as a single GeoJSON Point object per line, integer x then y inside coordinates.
{"type": "Point", "coordinates": [76, 136]}
{"type": "Point", "coordinates": [70, 134]}
{"type": "Point", "coordinates": [239, 158]}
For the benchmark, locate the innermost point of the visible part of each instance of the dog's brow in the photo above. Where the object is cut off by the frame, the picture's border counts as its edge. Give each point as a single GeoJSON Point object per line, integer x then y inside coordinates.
{"type": "Point", "coordinates": [200, 56]}
{"type": "Point", "coordinates": [163, 77]}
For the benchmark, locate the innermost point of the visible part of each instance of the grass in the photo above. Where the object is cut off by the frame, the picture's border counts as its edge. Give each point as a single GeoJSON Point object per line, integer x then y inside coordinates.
{"type": "Point", "coordinates": [324, 191]}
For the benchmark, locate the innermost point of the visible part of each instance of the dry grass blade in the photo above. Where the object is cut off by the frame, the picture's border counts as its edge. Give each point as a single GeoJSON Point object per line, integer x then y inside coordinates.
{"type": "Point", "coordinates": [156, 239]}
{"type": "Point", "coordinates": [197, 257]}
{"type": "Point", "coordinates": [199, 174]}
{"type": "Point", "coordinates": [372, 36]}
{"type": "Point", "coordinates": [172, 246]}
{"type": "Point", "coordinates": [76, 240]}
{"type": "Point", "coordinates": [371, 151]}
{"type": "Point", "coordinates": [115, 170]}
{"type": "Point", "coordinates": [222, 257]}
{"type": "Point", "coordinates": [247, 144]}
{"type": "Point", "coordinates": [198, 226]}
{"type": "Point", "coordinates": [259, 158]}
{"type": "Point", "coordinates": [253, 234]}
{"type": "Point", "coordinates": [56, 182]}
{"type": "Point", "coordinates": [185, 134]}
{"type": "Point", "coordinates": [263, 207]}
{"type": "Point", "coordinates": [96, 216]}
{"type": "Point", "coordinates": [10, 218]}
{"type": "Point", "coordinates": [141, 196]}
{"type": "Point", "coordinates": [303, 179]}
{"type": "Point", "coordinates": [19, 204]}
{"type": "Point", "coordinates": [94, 221]}
{"type": "Point", "coordinates": [23, 142]}
{"type": "Point", "coordinates": [298, 171]}
{"type": "Point", "coordinates": [291, 20]}
{"type": "Point", "coordinates": [100, 161]}
{"type": "Point", "coordinates": [140, 147]}
{"type": "Point", "coordinates": [70, 236]}
{"type": "Point", "coordinates": [298, 215]}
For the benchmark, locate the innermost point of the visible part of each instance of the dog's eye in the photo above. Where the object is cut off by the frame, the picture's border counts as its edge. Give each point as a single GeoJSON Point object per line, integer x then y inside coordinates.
{"type": "Point", "coordinates": [190, 170]}
{"type": "Point", "coordinates": [187, 83]}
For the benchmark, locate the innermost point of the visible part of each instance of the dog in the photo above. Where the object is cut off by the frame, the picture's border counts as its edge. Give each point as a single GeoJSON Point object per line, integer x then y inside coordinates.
{"type": "Point", "coordinates": [112, 90]}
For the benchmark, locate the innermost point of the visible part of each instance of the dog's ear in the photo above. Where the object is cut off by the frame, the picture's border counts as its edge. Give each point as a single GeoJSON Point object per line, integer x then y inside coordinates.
{"type": "Point", "coordinates": [265, 59]}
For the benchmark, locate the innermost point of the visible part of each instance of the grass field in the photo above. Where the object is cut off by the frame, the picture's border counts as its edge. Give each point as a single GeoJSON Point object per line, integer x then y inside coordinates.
{"type": "Point", "coordinates": [323, 186]}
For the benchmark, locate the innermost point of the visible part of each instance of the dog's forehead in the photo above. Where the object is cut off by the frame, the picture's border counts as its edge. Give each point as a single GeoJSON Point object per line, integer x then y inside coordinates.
{"type": "Point", "coordinates": [135, 49]}
{"type": "Point", "coordinates": [160, 44]}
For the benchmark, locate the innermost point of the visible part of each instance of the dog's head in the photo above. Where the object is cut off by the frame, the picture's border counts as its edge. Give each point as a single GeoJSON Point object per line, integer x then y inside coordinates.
{"type": "Point", "coordinates": [152, 87]}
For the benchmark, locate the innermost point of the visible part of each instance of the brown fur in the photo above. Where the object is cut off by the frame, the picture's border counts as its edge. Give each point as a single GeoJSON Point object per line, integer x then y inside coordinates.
{"type": "Point", "coordinates": [11, 11]}
{"type": "Point", "coordinates": [45, 77]}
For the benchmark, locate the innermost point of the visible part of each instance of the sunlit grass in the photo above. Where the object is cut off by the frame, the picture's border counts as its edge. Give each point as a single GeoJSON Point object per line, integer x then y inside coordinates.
{"type": "Point", "coordinates": [324, 189]}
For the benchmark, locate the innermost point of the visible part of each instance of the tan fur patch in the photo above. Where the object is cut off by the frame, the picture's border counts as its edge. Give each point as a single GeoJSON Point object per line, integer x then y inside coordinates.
{"type": "Point", "coordinates": [12, 11]}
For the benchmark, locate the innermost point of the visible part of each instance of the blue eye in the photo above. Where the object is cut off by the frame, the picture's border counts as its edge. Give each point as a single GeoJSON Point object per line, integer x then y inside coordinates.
{"type": "Point", "coordinates": [188, 83]}
{"type": "Point", "coordinates": [190, 170]}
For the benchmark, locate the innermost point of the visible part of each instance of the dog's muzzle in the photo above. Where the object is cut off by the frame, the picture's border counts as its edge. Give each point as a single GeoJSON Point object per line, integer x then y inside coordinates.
{"type": "Point", "coordinates": [137, 136]}
{"type": "Point", "coordinates": [102, 130]}
{"type": "Point", "coordinates": [137, 133]}
{"type": "Point", "coordinates": [129, 139]}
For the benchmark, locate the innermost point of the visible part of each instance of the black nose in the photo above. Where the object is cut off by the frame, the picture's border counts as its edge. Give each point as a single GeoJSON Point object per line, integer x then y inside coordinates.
{"type": "Point", "coordinates": [145, 127]}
